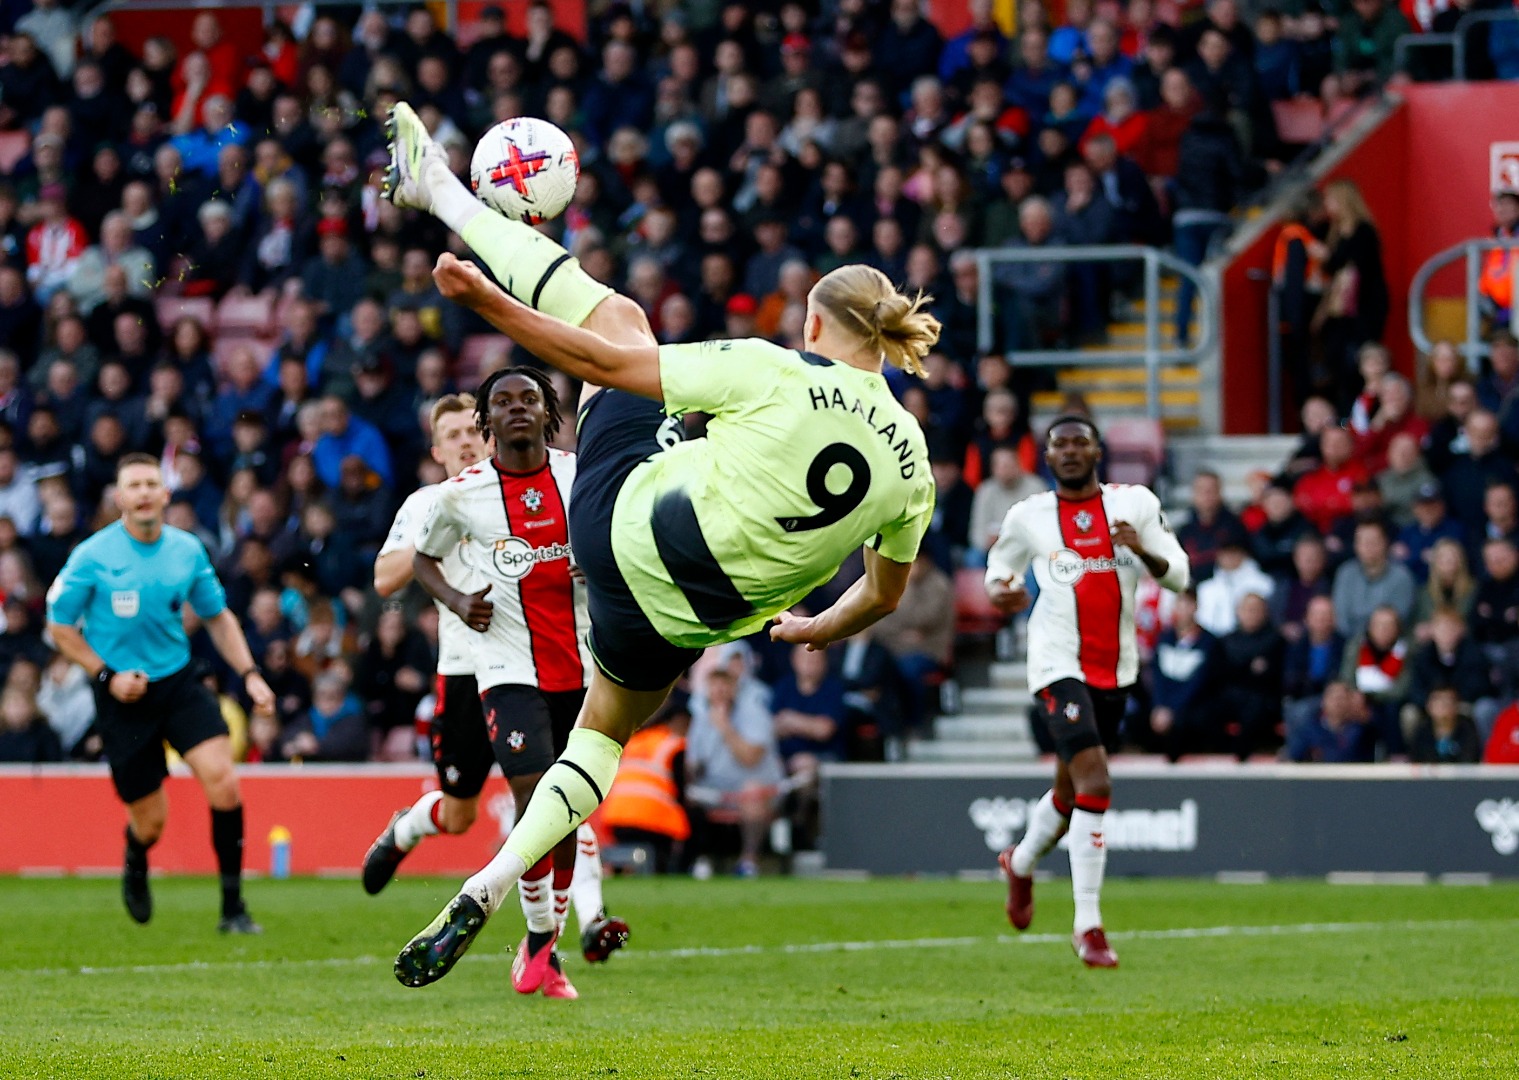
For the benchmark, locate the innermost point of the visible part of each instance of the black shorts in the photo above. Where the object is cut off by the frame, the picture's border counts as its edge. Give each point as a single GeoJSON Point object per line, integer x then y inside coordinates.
{"type": "Point", "coordinates": [177, 709]}
{"type": "Point", "coordinates": [618, 432]}
{"type": "Point", "coordinates": [528, 727]}
{"type": "Point", "coordinates": [1080, 717]}
{"type": "Point", "coordinates": [461, 752]}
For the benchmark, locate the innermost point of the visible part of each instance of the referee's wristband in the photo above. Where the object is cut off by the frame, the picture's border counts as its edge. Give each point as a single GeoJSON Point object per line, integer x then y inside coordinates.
{"type": "Point", "coordinates": [105, 675]}
{"type": "Point", "coordinates": [254, 670]}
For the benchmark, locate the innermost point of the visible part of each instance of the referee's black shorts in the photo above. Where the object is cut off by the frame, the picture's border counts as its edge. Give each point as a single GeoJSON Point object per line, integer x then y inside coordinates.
{"type": "Point", "coordinates": [177, 709]}
{"type": "Point", "coordinates": [618, 431]}
{"type": "Point", "coordinates": [1080, 717]}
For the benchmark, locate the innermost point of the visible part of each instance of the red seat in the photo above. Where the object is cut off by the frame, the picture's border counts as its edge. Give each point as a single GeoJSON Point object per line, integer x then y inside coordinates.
{"type": "Point", "coordinates": [13, 147]}
{"type": "Point", "coordinates": [1299, 120]}
{"type": "Point", "coordinates": [173, 308]}
{"type": "Point", "coordinates": [245, 316]}
{"type": "Point", "coordinates": [974, 613]}
{"type": "Point", "coordinates": [1136, 450]}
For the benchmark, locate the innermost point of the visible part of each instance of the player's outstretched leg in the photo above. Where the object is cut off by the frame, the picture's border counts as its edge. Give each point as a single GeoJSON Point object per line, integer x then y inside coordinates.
{"type": "Point", "coordinates": [432, 954]}
{"type": "Point", "coordinates": [601, 934]}
{"type": "Point", "coordinates": [406, 830]}
{"type": "Point", "coordinates": [1047, 824]}
{"type": "Point", "coordinates": [528, 264]}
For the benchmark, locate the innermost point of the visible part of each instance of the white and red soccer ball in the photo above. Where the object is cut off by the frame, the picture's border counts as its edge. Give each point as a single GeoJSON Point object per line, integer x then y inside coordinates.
{"type": "Point", "coordinates": [525, 169]}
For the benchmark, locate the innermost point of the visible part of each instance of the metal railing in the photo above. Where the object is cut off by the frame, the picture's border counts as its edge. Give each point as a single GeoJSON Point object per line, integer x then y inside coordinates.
{"type": "Point", "coordinates": [1152, 355]}
{"type": "Point", "coordinates": [1455, 41]}
{"type": "Point", "coordinates": [1473, 347]}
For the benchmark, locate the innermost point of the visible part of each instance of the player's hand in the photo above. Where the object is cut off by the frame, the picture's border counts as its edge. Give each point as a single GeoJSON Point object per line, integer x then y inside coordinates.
{"type": "Point", "coordinates": [259, 693]}
{"type": "Point", "coordinates": [458, 279]}
{"type": "Point", "coordinates": [1125, 534]}
{"type": "Point", "coordinates": [1008, 597]}
{"type": "Point", "coordinates": [577, 575]}
{"type": "Point", "coordinates": [797, 630]}
{"type": "Point", "coordinates": [475, 610]}
{"type": "Point", "coordinates": [1162, 720]}
{"type": "Point", "coordinates": [129, 686]}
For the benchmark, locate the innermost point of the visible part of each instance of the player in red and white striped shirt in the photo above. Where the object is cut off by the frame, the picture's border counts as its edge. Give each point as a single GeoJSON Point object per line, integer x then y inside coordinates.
{"type": "Point", "coordinates": [1088, 544]}
{"type": "Point", "coordinates": [508, 519]}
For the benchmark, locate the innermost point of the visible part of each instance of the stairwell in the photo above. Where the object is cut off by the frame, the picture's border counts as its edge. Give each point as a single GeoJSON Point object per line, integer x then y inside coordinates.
{"type": "Point", "coordinates": [991, 726]}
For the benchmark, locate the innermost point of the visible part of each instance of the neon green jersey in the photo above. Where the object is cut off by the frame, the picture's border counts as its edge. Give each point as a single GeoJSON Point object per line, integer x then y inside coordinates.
{"type": "Point", "coordinates": [804, 461]}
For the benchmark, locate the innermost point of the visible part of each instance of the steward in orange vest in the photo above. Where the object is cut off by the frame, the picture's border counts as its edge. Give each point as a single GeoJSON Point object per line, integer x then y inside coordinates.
{"type": "Point", "coordinates": [645, 797]}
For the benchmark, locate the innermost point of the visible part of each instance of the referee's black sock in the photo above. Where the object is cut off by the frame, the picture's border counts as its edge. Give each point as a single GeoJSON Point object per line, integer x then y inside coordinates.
{"type": "Point", "coordinates": [227, 838]}
{"type": "Point", "coordinates": [137, 852]}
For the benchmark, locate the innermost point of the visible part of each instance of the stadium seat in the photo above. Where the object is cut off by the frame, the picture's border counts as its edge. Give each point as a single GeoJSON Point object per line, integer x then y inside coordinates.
{"type": "Point", "coordinates": [13, 147]}
{"type": "Point", "coordinates": [479, 355]}
{"type": "Point", "coordinates": [1136, 450]}
{"type": "Point", "coordinates": [173, 308]}
{"type": "Point", "coordinates": [245, 316]}
{"type": "Point", "coordinates": [974, 614]}
{"type": "Point", "coordinates": [1299, 120]}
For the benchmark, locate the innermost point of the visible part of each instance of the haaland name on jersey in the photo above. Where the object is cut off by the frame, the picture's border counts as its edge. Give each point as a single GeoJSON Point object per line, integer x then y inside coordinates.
{"type": "Point", "coordinates": [822, 399]}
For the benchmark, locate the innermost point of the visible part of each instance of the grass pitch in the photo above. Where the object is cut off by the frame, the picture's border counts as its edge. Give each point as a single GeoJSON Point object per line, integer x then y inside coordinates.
{"type": "Point", "coordinates": [775, 978]}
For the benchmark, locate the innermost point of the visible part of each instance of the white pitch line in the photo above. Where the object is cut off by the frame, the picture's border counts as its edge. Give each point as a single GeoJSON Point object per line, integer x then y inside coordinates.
{"type": "Point", "coordinates": [696, 953]}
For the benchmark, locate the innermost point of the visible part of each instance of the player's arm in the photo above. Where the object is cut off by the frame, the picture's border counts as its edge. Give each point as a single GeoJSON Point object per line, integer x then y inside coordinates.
{"type": "Point", "coordinates": [392, 566]}
{"type": "Point", "coordinates": [574, 350]}
{"type": "Point", "coordinates": [209, 601]}
{"type": "Point", "coordinates": [441, 532]}
{"type": "Point", "coordinates": [870, 599]}
{"type": "Point", "coordinates": [1154, 544]}
{"type": "Point", "coordinates": [1006, 562]}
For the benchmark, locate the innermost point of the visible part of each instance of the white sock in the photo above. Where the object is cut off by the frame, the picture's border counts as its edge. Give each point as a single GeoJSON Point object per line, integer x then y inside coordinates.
{"type": "Point", "coordinates": [490, 886]}
{"type": "Point", "coordinates": [417, 822]}
{"type": "Point", "coordinates": [453, 203]}
{"type": "Point", "coordinates": [586, 888]}
{"type": "Point", "coordinates": [537, 898]}
{"type": "Point", "coordinates": [1089, 858]}
{"type": "Point", "coordinates": [1046, 826]}
{"type": "Point", "coordinates": [561, 907]}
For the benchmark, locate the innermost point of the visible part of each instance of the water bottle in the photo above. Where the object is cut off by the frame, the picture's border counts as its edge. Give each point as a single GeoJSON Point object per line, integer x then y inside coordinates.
{"type": "Point", "coordinates": [279, 852]}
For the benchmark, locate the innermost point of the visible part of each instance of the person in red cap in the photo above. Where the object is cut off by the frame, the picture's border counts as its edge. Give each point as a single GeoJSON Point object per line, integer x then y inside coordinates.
{"type": "Point", "coordinates": [741, 311]}
{"type": "Point", "coordinates": [333, 280]}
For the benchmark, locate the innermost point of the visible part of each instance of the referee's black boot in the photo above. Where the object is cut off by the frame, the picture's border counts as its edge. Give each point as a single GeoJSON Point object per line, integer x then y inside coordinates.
{"type": "Point", "coordinates": [241, 923]}
{"type": "Point", "coordinates": [135, 893]}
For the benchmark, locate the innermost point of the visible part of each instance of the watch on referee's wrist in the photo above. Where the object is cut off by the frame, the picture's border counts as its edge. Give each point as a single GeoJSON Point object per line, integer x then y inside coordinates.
{"type": "Point", "coordinates": [105, 675]}
{"type": "Point", "coordinates": [254, 670]}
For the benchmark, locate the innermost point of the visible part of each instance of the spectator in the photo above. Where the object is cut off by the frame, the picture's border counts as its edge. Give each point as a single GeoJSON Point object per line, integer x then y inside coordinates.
{"type": "Point", "coordinates": [1324, 494]}
{"type": "Point", "coordinates": [54, 245]}
{"type": "Point", "coordinates": [25, 735]}
{"type": "Point", "coordinates": [1498, 386]}
{"type": "Point", "coordinates": [116, 248]}
{"type": "Point", "coordinates": [733, 769]}
{"type": "Point", "coordinates": [873, 698]}
{"type": "Point", "coordinates": [1371, 580]}
{"type": "Point", "coordinates": [1418, 540]}
{"type": "Point", "coordinates": [1404, 477]}
{"type": "Point", "coordinates": [18, 493]}
{"type": "Point", "coordinates": [67, 699]}
{"type": "Point", "coordinates": [1442, 368]}
{"type": "Point", "coordinates": [1495, 607]}
{"type": "Point", "coordinates": [1496, 284]}
{"type": "Point", "coordinates": [1184, 672]}
{"type": "Point", "coordinates": [1394, 416]}
{"type": "Point", "coordinates": [1503, 744]}
{"type": "Point", "coordinates": [1273, 543]}
{"type": "Point", "coordinates": [1444, 736]}
{"type": "Point", "coordinates": [1364, 46]}
{"type": "Point", "coordinates": [1339, 733]}
{"type": "Point", "coordinates": [391, 677]}
{"type": "Point", "coordinates": [1449, 585]}
{"type": "Point", "coordinates": [1007, 485]}
{"type": "Point", "coordinates": [1035, 291]}
{"type": "Point", "coordinates": [1502, 509]}
{"type": "Point", "coordinates": [1377, 664]}
{"type": "Point", "coordinates": [333, 729]}
{"type": "Point", "coordinates": [1450, 658]}
{"type": "Point", "coordinates": [1469, 474]}
{"type": "Point", "coordinates": [333, 281]}
{"type": "Point", "coordinates": [1249, 699]}
{"type": "Point", "coordinates": [644, 805]}
{"type": "Point", "coordinates": [1355, 304]}
{"type": "Point", "coordinates": [1235, 576]}
{"type": "Point", "coordinates": [344, 435]}
{"type": "Point", "coordinates": [1316, 415]}
{"type": "Point", "coordinates": [1315, 654]}
{"type": "Point", "coordinates": [920, 633]}
{"type": "Point", "coordinates": [808, 706]}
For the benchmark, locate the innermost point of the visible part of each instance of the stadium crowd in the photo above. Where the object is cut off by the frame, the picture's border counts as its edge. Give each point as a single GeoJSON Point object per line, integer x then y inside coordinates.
{"type": "Point", "coordinates": [194, 260]}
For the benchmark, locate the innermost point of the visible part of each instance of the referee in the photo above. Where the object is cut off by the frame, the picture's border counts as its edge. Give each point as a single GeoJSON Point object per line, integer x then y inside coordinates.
{"type": "Point", "coordinates": [117, 610]}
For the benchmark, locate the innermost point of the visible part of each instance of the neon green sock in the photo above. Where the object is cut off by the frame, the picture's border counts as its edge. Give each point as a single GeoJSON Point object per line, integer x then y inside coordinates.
{"type": "Point", "coordinates": [568, 794]}
{"type": "Point", "coordinates": [534, 268]}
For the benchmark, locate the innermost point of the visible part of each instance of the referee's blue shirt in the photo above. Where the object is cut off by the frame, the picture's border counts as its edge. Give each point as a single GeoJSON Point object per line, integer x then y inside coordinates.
{"type": "Point", "coordinates": [127, 597]}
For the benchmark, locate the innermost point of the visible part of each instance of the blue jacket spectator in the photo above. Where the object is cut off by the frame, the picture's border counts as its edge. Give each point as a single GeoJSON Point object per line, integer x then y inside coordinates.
{"type": "Point", "coordinates": [345, 435]}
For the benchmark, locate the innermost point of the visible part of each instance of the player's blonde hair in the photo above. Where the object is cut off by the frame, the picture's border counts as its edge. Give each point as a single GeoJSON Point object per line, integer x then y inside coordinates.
{"type": "Point", "coordinates": [864, 301]}
{"type": "Point", "coordinates": [449, 403]}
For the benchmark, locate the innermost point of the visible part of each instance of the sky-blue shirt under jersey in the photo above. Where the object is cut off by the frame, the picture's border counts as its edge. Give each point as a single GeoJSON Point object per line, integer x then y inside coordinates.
{"type": "Point", "coordinates": [128, 597]}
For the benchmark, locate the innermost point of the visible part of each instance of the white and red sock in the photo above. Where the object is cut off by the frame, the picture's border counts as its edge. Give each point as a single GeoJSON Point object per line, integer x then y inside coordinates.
{"type": "Point", "coordinates": [1089, 859]}
{"type": "Point", "coordinates": [585, 890]}
{"type": "Point", "coordinates": [562, 880]}
{"type": "Point", "coordinates": [535, 891]}
{"type": "Point", "coordinates": [1046, 825]}
{"type": "Point", "coordinates": [420, 821]}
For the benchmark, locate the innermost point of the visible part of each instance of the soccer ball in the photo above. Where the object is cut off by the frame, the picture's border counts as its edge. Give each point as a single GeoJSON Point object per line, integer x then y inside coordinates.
{"type": "Point", "coordinates": [525, 169]}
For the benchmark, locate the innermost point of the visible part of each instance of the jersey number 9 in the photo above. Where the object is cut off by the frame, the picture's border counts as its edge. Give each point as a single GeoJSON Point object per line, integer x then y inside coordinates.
{"type": "Point", "coordinates": [831, 507]}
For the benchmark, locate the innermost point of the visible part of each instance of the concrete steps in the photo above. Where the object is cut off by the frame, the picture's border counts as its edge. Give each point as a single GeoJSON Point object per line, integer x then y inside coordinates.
{"type": "Point", "coordinates": [991, 726]}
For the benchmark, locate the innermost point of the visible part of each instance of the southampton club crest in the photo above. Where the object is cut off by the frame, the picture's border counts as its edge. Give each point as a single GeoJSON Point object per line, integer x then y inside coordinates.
{"type": "Point", "coordinates": [516, 742]}
{"type": "Point", "coordinates": [1083, 520]}
{"type": "Point", "coordinates": [532, 498]}
{"type": "Point", "coordinates": [1072, 712]}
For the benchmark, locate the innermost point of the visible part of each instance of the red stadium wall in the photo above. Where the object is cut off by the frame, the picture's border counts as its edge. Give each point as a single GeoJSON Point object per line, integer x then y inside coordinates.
{"type": "Point", "coordinates": [68, 820]}
{"type": "Point", "coordinates": [1424, 173]}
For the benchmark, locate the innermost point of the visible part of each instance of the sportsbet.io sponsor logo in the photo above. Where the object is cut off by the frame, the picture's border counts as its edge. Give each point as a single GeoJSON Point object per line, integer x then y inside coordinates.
{"type": "Point", "coordinates": [1002, 821]}
{"type": "Point", "coordinates": [1500, 819]}
{"type": "Point", "coordinates": [1068, 567]}
{"type": "Point", "coordinates": [515, 557]}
